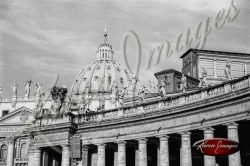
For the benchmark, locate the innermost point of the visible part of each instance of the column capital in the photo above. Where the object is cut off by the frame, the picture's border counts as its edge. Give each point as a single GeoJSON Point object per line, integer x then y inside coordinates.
{"type": "Point", "coordinates": [163, 137]}
{"type": "Point", "coordinates": [232, 125]}
{"type": "Point", "coordinates": [142, 140]}
{"type": "Point", "coordinates": [101, 144]}
{"type": "Point", "coordinates": [10, 140]}
{"type": "Point", "coordinates": [185, 133]}
{"type": "Point", "coordinates": [207, 130]}
{"type": "Point", "coordinates": [121, 142]}
{"type": "Point", "coordinates": [65, 146]}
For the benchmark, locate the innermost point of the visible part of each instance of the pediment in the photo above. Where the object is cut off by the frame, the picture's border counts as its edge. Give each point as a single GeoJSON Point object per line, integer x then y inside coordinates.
{"type": "Point", "coordinates": [21, 115]}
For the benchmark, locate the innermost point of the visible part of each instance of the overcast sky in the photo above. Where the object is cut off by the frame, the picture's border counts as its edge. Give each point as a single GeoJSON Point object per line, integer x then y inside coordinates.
{"type": "Point", "coordinates": [42, 38]}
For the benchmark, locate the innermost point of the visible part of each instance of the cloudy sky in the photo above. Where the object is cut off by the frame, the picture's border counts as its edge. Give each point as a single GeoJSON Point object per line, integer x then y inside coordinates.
{"type": "Point", "coordinates": [42, 38]}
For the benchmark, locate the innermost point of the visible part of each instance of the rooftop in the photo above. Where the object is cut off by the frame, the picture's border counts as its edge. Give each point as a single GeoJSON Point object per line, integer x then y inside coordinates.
{"type": "Point", "coordinates": [215, 52]}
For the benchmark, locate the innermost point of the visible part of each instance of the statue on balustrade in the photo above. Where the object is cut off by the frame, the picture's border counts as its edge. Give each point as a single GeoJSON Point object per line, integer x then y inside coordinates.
{"type": "Point", "coordinates": [14, 90]}
{"type": "Point", "coordinates": [14, 96]}
{"type": "Point", "coordinates": [27, 86]}
{"type": "Point", "coordinates": [162, 89]}
{"type": "Point", "coordinates": [102, 102]}
{"type": "Point", "coordinates": [58, 97]}
{"type": "Point", "coordinates": [82, 104]}
{"type": "Point", "coordinates": [38, 91]}
{"type": "Point", "coordinates": [228, 70]}
{"type": "Point", "coordinates": [39, 107]}
{"type": "Point", "coordinates": [121, 94]}
{"type": "Point", "coordinates": [66, 104]}
{"type": "Point", "coordinates": [152, 87]}
{"type": "Point", "coordinates": [183, 83]}
{"type": "Point", "coordinates": [114, 89]}
{"type": "Point", "coordinates": [203, 78]}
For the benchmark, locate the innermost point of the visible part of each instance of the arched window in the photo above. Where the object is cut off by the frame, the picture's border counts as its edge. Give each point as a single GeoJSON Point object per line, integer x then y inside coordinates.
{"type": "Point", "coordinates": [23, 150]}
{"type": "Point", "coordinates": [3, 152]}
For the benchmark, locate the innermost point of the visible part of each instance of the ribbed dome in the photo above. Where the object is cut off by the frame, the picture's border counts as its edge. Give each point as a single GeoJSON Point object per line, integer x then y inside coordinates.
{"type": "Point", "coordinates": [103, 83]}
{"type": "Point", "coordinates": [100, 77]}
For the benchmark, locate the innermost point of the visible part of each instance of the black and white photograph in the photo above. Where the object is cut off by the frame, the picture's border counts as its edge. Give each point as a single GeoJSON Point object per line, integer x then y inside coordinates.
{"type": "Point", "coordinates": [124, 83]}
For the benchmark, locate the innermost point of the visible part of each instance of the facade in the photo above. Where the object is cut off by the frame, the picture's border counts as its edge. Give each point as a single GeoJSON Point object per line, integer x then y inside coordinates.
{"type": "Point", "coordinates": [108, 118]}
{"type": "Point", "coordinates": [214, 63]}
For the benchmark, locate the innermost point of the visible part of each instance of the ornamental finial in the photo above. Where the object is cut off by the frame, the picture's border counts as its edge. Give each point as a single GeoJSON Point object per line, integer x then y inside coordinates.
{"type": "Point", "coordinates": [105, 30]}
{"type": "Point", "coordinates": [105, 34]}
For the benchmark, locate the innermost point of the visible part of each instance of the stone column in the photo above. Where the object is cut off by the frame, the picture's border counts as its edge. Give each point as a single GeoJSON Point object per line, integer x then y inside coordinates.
{"type": "Point", "coordinates": [54, 162]}
{"type": "Point", "coordinates": [232, 133]}
{"type": "Point", "coordinates": [31, 157]}
{"type": "Point", "coordinates": [10, 153]}
{"type": "Point", "coordinates": [101, 155]}
{"type": "Point", "coordinates": [209, 160]}
{"type": "Point", "coordinates": [185, 152]}
{"type": "Point", "coordinates": [37, 157]}
{"type": "Point", "coordinates": [85, 153]}
{"type": "Point", "coordinates": [65, 155]}
{"type": "Point", "coordinates": [121, 153]}
{"type": "Point", "coordinates": [164, 151]}
{"type": "Point", "coordinates": [143, 152]}
{"type": "Point", "coordinates": [30, 150]}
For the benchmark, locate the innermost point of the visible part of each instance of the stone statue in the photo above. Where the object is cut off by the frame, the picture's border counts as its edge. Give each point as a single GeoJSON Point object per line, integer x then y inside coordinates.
{"type": "Point", "coordinates": [203, 78]}
{"type": "Point", "coordinates": [66, 104]}
{"type": "Point", "coordinates": [14, 96]}
{"type": "Point", "coordinates": [152, 87]}
{"type": "Point", "coordinates": [83, 104]}
{"type": "Point", "coordinates": [114, 89]}
{"type": "Point", "coordinates": [102, 102]}
{"type": "Point", "coordinates": [27, 86]}
{"type": "Point", "coordinates": [58, 97]}
{"type": "Point", "coordinates": [38, 91]}
{"type": "Point", "coordinates": [142, 93]}
{"type": "Point", "coordinates": [39, 107]}
{"type": "Point", "coordinates": [162, 89]}
{"type": "Point", "coordinates": [228, 70]}
{"type": "Point", "coordinates": [183, 83]}
{"type": "Point", "coordinates": [121, 94]}
{"type": "Point", "coordinates": [14, 90]}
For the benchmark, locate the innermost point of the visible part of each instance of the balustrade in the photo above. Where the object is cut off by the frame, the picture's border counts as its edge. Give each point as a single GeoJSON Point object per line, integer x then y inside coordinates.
{"type": "Point", "coordinates": [178, 100]}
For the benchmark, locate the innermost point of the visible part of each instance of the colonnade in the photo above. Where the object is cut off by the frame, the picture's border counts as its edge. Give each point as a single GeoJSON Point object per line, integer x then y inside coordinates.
{"type": "Point", "coordinates": [164, 160]}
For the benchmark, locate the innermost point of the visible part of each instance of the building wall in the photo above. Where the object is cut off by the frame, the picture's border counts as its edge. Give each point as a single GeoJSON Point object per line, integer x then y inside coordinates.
{"type": "Point", "coordinates": [215, 64]}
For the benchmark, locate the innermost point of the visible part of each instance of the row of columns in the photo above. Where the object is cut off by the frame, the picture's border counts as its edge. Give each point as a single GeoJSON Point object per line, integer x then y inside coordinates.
{"type": "Point", "coordinates": [35, 156]}
{"type": "Point", "coordinates": [185, 151]}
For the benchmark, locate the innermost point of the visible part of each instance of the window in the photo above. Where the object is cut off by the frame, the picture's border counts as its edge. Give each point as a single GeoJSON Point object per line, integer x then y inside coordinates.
{"type": "Point", "coordinates": [5, 112]}
{"type": "Point", "coordinates": [23, 151]}
{"type": "Point", "coordinates": [3, 152]}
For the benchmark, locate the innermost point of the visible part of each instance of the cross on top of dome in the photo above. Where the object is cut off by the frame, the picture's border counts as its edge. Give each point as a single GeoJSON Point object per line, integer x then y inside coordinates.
{"type": "Point", "coordinates": [105, 35]}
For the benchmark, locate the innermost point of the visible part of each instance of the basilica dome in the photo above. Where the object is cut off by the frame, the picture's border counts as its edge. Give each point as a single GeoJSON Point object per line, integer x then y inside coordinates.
{"type": "Point", "coordinates": [104, 82]}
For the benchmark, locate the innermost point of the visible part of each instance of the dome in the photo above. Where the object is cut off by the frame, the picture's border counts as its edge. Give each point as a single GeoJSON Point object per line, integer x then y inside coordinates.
{"type": "Point", "coordinates": [100, 76]}
{"type": "Point", "coordinates": [103, 83]}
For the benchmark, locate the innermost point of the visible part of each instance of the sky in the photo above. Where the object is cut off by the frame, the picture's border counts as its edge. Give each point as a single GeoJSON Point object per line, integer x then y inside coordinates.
{"type": "Point", "coordinates": [42, 38]}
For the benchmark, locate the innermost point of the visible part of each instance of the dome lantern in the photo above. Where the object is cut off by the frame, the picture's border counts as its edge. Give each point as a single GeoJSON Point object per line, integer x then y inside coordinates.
{"type": "Point", "coordinates": [105, 49]}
